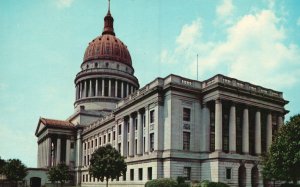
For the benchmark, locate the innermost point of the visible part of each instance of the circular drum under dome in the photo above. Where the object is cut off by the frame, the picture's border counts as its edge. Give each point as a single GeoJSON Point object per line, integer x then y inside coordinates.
{"type": "Point", "coordinates": [106, 74]}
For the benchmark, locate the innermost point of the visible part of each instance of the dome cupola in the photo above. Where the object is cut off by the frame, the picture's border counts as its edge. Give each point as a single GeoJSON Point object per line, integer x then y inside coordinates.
{"type": "Point", "coordinates": [106, 74]}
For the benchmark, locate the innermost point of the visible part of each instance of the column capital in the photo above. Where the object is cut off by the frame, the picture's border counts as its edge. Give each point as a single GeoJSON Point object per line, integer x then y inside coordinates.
{"type": "Point", "coordinates": [218, 100]}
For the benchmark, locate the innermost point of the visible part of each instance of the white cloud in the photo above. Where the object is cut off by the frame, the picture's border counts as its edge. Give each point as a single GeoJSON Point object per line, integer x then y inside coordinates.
{"type": "Point", "coordinates": [225, 8]}
{"type": "Point", "coordinates": [254, 50]}
{"type": "Point", "coordinates": [63, 3]}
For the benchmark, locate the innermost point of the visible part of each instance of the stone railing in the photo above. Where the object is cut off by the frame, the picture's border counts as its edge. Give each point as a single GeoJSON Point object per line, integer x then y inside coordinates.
{"type": "Point", "coordinates": [241, 85]}
{"type": "Point", "coordinates": [98, 122]}
{"type": "Point", "coordinates": [173, 79]}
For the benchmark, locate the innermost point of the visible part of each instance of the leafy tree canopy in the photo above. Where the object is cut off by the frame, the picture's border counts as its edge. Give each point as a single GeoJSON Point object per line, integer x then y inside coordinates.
{"type": "Point", "coordinates": [14, 170]}
{"type": "Point", "coordinates": [283, 160]}
{"type": "Point", "coordinates": [107, 163]}
{"type": "Point", "coordinates": [59, 173]}
{"type": "Point", "coordinates": [2, 163]}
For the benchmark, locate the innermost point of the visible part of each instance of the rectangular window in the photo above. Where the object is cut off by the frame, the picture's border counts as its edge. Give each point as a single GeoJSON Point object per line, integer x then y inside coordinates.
{"type": "Point", "coordinates": [119, 147]}
{"type": "Point", "coordinates": [131, 174]}
{"type": "Point", "coordinates": [140, 174]}
{"type": "Point", "coordinates": [86, 178]}
{"type": "Point", "coordinates": [88, 160]}
{"type": "Point", "coordinates": [135, 146]}
{"type": "Point", "coordinates": [136, 124]}
{"type": "Point", "coordinates": [72, 145]}
{"type": "Point", "coordinates": [128, 127]}
{"type": "Point", "coordinates": [84, 160]}
{"type": "Point", "coordinates": [187, 173]}
{"type": "Point", "coordinates": [152, 142]}
{"type": "Point", "coordinates": [88, 145]}
{"type": "Point", "coordinates": [96, 142]}
{"type": "Point", "coordinates": [83, 178]}
{"type": "Point", "coordinates": [100, 141]}
{"type": "Point", "coordinates": [124, 177]}
{"type": "Point", "coordinates": [108, 137]}
{"type": "Point", "coordinates": [92, 144]}
{"type": "Point", "coordinates": [186, 141]}
{"type": "Point", "coordinates": [228, 173]}
{"type": "Point", "coordinates": [84, 146]}
{"type": "Point", "coordinates": [152, 116]}
{"type": "Point", "coordinates": [149, 175]}
{"type": "Point", "coordinates": [186, 114]}
{"type": "Point", "coordinates": [114, 135]}
{"type": "Point", "coordinates": [120, 130]}
{"type": "Point", "coordinates": [104, 139]}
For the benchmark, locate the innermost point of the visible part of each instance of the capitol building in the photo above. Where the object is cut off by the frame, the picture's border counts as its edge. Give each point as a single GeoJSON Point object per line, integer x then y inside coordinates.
{"type": "Point", "coordinates": [214, 129]}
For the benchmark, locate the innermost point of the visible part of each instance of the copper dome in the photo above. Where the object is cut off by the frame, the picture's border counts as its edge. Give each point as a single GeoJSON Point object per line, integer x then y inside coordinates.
{"type": "Point", "coordinates": [108, 46]}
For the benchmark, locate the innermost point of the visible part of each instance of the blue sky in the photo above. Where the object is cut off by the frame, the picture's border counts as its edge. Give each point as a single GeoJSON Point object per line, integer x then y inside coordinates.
{"type": "Point", "coordinates": [42, 45]}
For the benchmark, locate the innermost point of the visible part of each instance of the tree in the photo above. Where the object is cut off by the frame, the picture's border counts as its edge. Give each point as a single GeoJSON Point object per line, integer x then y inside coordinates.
{"type": "Point", "coordinates": [107, 163]}
{"type": "Point", "coordinates": [14, 170]}
{"type": "Point", "coordinates": [59, 173]}
{"type": "Point", "coordinates": [283, 160]}
{"type": "Point", "coordinates": [2, 163]}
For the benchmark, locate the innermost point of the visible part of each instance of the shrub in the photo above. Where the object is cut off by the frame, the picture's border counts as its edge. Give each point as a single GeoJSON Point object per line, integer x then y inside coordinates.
{"type": "Point", "coordinates": [180, 180]}
{"type": "Point", "coordinates": [217, 184]}
{"type": "Point", "coordinates": [161, 183]}
{"type": "Point", "coordinates": [183, 185]}
{"type": "Point", "coordinates": [204, 183]}
{"type": "Point", "coordinates": [289, 185]}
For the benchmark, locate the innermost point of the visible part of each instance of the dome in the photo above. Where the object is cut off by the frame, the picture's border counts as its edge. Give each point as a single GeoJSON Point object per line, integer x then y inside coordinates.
{"type": "Point", "coordinates": [107, 46]}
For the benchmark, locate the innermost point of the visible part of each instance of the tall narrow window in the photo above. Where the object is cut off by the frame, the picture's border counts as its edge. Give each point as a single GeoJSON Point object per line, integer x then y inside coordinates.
{"type": "Point", "coordinates": [108, 137]}
{"type": "Point", "coordinates": [228, 173]}
{"type": "Point", "coordinates": [149, 175]}
{"type": "Point", "coordinates": [152, 142]}
{"type": "Point", "coordinates": [186, 114]}
{"type": "Point", "coordinates": [187, 173]}
{"type": "Point", "coordinates": [114, 135]}
{"type": "Point", "coordinates": [186, 141]}
{"type": "Point", "coordinates": [104, 139]}
{"type": "Point", "coordinates": [152, 116]}
{"type": "Point", "coordinates": [131, 174]}
{"type": "Point", "coordinates": [120, 130]}
{"type": "Point", "coordinates": [140, 174]}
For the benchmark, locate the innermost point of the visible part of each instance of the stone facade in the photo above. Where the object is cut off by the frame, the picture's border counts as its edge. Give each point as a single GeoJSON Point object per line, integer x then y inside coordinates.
{"type": "Point", "coordinates": [214, 129]}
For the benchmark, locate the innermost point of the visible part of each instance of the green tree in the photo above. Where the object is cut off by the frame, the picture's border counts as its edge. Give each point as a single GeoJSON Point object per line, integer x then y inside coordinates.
{"type": "Point", "coordinates": [59, 173]}
{"type": "Point", "coordinates": [2, 163]}
{"type": "Point", "coordinates": [283, 160]}
{"type": "Point", "coordinates": [14, 170]}
{"type": "Point", "coordinates": [107, 163]}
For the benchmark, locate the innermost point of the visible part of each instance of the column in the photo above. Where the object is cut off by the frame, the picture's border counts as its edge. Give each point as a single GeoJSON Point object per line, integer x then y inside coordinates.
{"type": "Point", "coordinates": [131, 88]}
{"type": "Point", "coordinates": [127, 89]}
{"type": "Point", "coordinates": [109, 88]}
{"type": "Point", "coordinates": [84, 89]}
{"type": "Point", "coordinates": [90, 88]}
{"type": "Point", "coordinates": [58, 148]}
{"type": "Point", "coordinates": [122, 89]}
{"type": "Point", "coordinates": [205, 141]}
{"type": "Point", "coordinates": [124, 138]}
{"type": "Point", "coordinates": [146, 129]}
{"type": "Point", "coordinates": [232, 129]}
{"type": "Point", "coordinates": [131, 136]}
{"type": "Point", "coordinates": [246, 131]}
{"type": "Point", "coordinates": [68, 145]}
{"type": "Point", "coordinates": [80, 87]}
{"type": "Point", "coordinates": [218, 125]}
{"type": "Point", "coordinates": [280, 121]}
{"type": "Point", "coordinates": [96, 88]}
{"type": "Point", "coordinates": [257, 133]}
{"type": "Point", "coordinates": [139, 133]}
{"type": "Point", "coordinates": [269, 131]}
{"type": "Point", "coordinates": [116, 88]}
{"type": "Point", "coordinates": [102, 91]}
{"type": "Point", "coordinates": [49, 163]}
{"type": "Point", "coordinates": [38, 156]}
{"type": "Point", "coordinates": [43, 155]}
{"type": "Point", "coordinates": [78, 156]}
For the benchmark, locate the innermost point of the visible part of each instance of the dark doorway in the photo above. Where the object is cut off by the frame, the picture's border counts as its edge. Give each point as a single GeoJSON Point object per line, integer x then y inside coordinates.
{"type": "Point", "coordinates": [242, 176]}
{"type": "Point", "coordinates": [35, 182]}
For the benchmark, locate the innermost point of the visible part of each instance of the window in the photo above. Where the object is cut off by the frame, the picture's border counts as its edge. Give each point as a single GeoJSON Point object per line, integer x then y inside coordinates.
{"type": "Point", "coordinates": [131, 174]}
{"type": "Point", "coordinates": [186, 141]}
{"type": "Point", "coordinates": [84, 160]}
{"type": "Point", "coordinates": [88, 160]}
{"type": "Point", "coordinates": [128, 127]}
{"type": "Point", "coordinates": [83, 178]}
{"type": "Point", "coordinates": [136, 124]}
{"type": "Point", "coordinates": [135, 146]}
{"type": "Point", "coordinates": [84, 146]}
{"type": "Point", "coordinates": [100, 141]}
{"type": "Point", "coordinates": [149, 176]}
{"type": "Point", "coordinates": [140, 174]}
{"type": "Point", "coordinates": [152, 116]}
{"type": "Point", "coordinates": [104, 139]}
{"type": "Point", "coordinates": [124, 177]}
{"type": "Point", "coordinates": [114, 135]}
{"type": "Point", "coordinates": [72, 145]}
{"type": "Point", "coordinates": [86, 178]}
{"type": "Point", "coordinates": [119, 147]}
{"type": "Point", "coordinates": [96, 64]}
{"type": "Point", "coordinates": [187, 173]}
{"type": "Point", "coordinates": [186, 114]}
{"type": "Point", "coordinates": [88, 145]}
{"type": "Point", "coordinates": [92, 144]}
{"type": "Point", "coordinates": [96, 142]}
{"type": "Point", "coordinates": [228, 173]}
{"type": "Point", "coordinates": [152, 142]}
{"type": "Point", "coordinates": [108, 137]}
{"type": "Point", "coordinates": [120, 130]}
